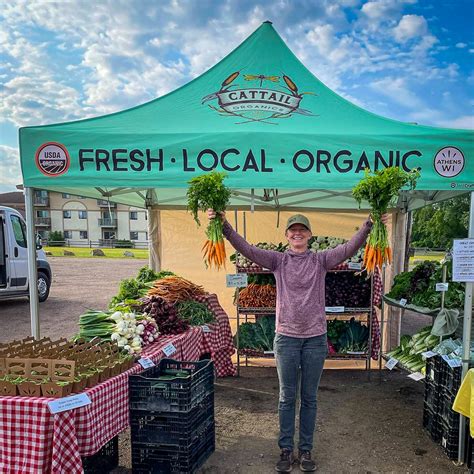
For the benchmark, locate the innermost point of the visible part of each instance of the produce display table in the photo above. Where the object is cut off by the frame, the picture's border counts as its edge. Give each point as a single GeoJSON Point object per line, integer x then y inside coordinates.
{"type": "Point", "coordinates": [32, 440]}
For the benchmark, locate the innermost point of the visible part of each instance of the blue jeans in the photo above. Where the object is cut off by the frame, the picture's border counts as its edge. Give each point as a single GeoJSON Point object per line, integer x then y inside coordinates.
{"type": "Point", "coordinates": [299, 358]}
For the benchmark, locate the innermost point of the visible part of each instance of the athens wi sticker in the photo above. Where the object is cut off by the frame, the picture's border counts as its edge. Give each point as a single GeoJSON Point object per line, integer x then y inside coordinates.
{"type": "Point", "coordinates": [258, 98]}
{"type": "Point", "coordinates": [52, 159]}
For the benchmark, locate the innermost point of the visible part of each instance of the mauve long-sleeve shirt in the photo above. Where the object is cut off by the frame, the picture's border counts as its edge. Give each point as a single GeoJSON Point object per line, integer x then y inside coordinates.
{"type": "Point", "coordinates": [300, 280]}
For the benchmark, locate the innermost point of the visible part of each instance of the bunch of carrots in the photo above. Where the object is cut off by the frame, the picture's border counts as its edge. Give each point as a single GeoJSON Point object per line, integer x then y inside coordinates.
{"type": "Point", "coordinates": [377, 250]}
{"type": "Point", "coordinates": [208, 192]}
{"type": "Point", "coordinates": [381, 189]}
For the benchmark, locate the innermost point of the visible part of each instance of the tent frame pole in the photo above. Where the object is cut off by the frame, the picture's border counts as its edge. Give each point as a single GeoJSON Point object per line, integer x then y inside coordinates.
{"type": "Point", "coordinates": [32, 265]}
{"type": "Point", "coordinates": [466, 339]}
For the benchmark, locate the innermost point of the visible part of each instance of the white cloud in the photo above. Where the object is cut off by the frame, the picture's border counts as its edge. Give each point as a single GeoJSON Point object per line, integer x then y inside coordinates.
{"type": "Point", "coordinates": [465, 121]}
{"type": "Point", "coordinates": [120, 53]}
{"type": "Point", "coordinates": [461, 45]}
{"type": "Point", "coordinates": [397, 89]}
{"type": "Point", "coordinates": [409, 27]}
{"type": "Point", "coordinates": [9, 169]}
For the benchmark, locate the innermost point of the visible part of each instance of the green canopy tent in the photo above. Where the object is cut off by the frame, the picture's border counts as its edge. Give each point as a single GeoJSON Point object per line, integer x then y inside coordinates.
{"type": "Point", "coordinates": [285, 140]}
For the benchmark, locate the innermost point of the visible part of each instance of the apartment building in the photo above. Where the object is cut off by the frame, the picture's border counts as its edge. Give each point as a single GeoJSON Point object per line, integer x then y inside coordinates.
{"type": "Point", "coordinates": [84, 219]}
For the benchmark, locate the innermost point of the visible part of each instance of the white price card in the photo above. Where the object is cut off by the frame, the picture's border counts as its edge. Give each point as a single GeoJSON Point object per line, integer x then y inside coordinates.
{"type": "Point", "coordinates": [334, 309]}
{"type": "Point", "coordinates": [442, 286]}
{"type": "Point", "coordinates": [428, 354]}
{"type": "Point", "coordinates": [169, 349]}
{"type": "Point", "coordinates": [452, 362]}
{"type": "Point", "coordinates": [416, 376]}
{"type": "Point", "coordinates": [391, 363]}
{"type": "Point", "coordinates": [206, 328]}
{"type": "Point", "coordinates": [463, 260]}
{"type": "Point", "coordinates": [403, 302]}
{"type": "Point", "coordinates": [69, 403]}
{"type": "Point", "coordinates": [237, 280]}
{"type": "Point", "coordinates": [354, 266]}
{"type": "Point", "coordinates": [146, 362]}
{"type": "Point", "coordinates": [269, 352]}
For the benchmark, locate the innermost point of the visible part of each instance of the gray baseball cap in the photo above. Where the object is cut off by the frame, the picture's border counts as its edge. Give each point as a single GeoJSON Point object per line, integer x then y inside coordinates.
{"type": "Point", "coordinates": [298, 219]}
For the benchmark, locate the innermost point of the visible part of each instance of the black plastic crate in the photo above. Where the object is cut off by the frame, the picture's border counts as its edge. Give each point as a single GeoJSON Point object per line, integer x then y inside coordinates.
{"type": "Point", "coordinates": [150, 458]}
{"type": "Point", "coordinates": [448, 416]}
{"type": "Point", "coordinates": [176, 393]}
{"type": "Point", "coordinates": [451, 378]}
{"type": "Point", "coordinates": [450, 440]}
{"type": "Point", "coordinates": [433, 395]}
{"type": "Point", "coordinates": [434, 370]}
{"type": "Point", "coordinates": [431, 423]}
{"type": "Point", "coordinates": [104, 460]}
{"type": "Point", "coordinates": [171, 427]}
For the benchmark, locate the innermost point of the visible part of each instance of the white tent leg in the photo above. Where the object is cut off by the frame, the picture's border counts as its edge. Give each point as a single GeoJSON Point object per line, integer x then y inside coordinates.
{"type": "Point", "coordinates": [32, 267]}
{"type": "Point", "coordinates": [154, 239]}
{"type": "Point", "coordinates": [466, 337]}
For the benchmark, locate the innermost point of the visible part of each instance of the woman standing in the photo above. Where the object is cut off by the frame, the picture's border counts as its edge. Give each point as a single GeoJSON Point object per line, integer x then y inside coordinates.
{"type": "Point", "coordinates": [300, 343]}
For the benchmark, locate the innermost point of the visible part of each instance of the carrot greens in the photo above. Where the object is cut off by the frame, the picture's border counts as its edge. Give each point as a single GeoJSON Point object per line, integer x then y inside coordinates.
{"type": "Point", "coordinates": [380, 189]}
{"type": "Point", "coordinates": [208, 192]}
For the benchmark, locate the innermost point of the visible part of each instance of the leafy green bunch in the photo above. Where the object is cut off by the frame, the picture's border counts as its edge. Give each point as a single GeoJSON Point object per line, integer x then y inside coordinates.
{"type": "Point", "coordinates": [207, 192]}
{"type": "Point", "coordinates": [380, 188]}
{"type": "Point", "coordinates": [195, 313]}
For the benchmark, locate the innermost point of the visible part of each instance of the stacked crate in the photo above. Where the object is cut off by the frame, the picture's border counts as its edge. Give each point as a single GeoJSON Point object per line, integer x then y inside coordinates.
{"type": "Point", "coordinates": [172, 417]}
{"type": "Point", "coordinates": [441, 385]}
{"type": "Point", "coordinates": [432, 400]}
{"type": "Point", "coordinates": [449, 419]}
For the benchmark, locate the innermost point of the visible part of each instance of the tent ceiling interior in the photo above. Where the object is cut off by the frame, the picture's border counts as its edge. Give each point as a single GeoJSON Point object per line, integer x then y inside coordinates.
{"type": "Point", "coordinates": [284, 139]}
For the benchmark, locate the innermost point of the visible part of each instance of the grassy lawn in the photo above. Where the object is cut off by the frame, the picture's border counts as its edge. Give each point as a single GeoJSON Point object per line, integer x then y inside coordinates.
{"type": "Point", "coordinates": [87, 252]}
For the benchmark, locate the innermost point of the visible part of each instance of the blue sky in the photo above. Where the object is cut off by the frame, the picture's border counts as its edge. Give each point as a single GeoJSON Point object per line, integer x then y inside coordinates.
{"type": "Point", "coordinates": [59, 61]}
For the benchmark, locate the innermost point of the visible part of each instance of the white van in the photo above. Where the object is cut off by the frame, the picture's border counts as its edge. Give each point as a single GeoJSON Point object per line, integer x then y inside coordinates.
{"type": "Point", "coordinates": [14, 258]}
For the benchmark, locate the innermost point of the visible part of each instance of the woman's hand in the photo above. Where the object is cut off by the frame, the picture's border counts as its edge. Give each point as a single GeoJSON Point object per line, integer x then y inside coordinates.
{"type": "Point", "coordinates": [385, 218]}
{"type": "Point", "coordinates": [211, 214]}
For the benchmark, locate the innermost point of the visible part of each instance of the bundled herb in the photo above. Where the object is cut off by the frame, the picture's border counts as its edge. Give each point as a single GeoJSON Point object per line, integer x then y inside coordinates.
{"type": "Point", "coordinates": [134, 288]}
{"type": "Point", "coordinates": [208, 192]}
{"type": "Point", "coordinates": [195, 313]}
{"type": "Point", "coordinates": [380, 189]}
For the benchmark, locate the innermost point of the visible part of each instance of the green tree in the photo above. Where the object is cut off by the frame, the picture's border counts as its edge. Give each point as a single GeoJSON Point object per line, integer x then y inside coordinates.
{"type": "Point", "coordinates": [437, 225]}
{"type": "Point", "coordinates": [56, 239]}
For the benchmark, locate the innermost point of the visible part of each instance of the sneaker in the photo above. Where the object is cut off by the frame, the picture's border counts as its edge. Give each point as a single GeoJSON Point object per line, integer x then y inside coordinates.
{"type": "Point", "coordinates": [285, 464]}
{"type": "Point", "coordinates": [306, 463]}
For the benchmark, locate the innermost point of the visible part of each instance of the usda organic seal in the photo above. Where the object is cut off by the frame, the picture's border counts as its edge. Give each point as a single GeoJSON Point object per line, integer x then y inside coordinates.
{"type": "Point", "coordinates": [52, 159]}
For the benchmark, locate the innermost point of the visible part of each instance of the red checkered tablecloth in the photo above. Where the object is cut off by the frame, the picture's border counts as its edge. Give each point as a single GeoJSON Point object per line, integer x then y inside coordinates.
{"type": "Point", "coordinates": [32, 440]}
{"type": "Point", "coordinates": [218, 342]}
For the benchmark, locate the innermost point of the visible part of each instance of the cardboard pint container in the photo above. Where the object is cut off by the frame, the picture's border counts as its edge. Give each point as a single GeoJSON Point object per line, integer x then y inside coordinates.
{"type": "Point", "coordinates": [53, 390]}
{"type": "Point", "coordinates": [7, 389]}
{"type": "Point", "coordinates": [29, 389]}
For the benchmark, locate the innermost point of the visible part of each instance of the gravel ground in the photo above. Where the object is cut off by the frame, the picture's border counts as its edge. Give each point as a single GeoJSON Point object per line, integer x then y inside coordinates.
{"type": "Point", "coordinates": [363, 427]}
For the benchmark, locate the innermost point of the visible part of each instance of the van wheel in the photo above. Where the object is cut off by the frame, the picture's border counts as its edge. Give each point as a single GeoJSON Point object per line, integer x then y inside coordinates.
{"type": "Point", "coordinates": [43, 286]}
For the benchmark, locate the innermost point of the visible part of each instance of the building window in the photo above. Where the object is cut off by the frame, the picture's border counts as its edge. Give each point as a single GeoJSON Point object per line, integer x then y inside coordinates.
{"type": "Point", "coordinates": [146, 235]}
{"type": "Point", "coordinates": [66, 196]}
{"type": "Point", "coordinates": [134, 235]}
{"type": "Point", "coordinates": [42, 213]}
{"type": "Point", "coordinates": [83, 234]}
{"type": "Point", "coordinates": [108, 234]}
{"type": "Point", "coordinates": [68, 234]}
{"type": "Point", "coordinates": [83, 215]}
{"type": "Point", "coordinates": [133, 215]}
{"type": "Point", "coordinates": [66, 214]}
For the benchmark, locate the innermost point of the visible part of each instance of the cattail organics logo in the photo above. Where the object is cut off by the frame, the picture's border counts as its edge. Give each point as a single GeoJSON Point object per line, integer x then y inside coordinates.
{"type": "Point", "coordinates": [259, 99]}
{"type": "Point", "coordinates": [52, 159]}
